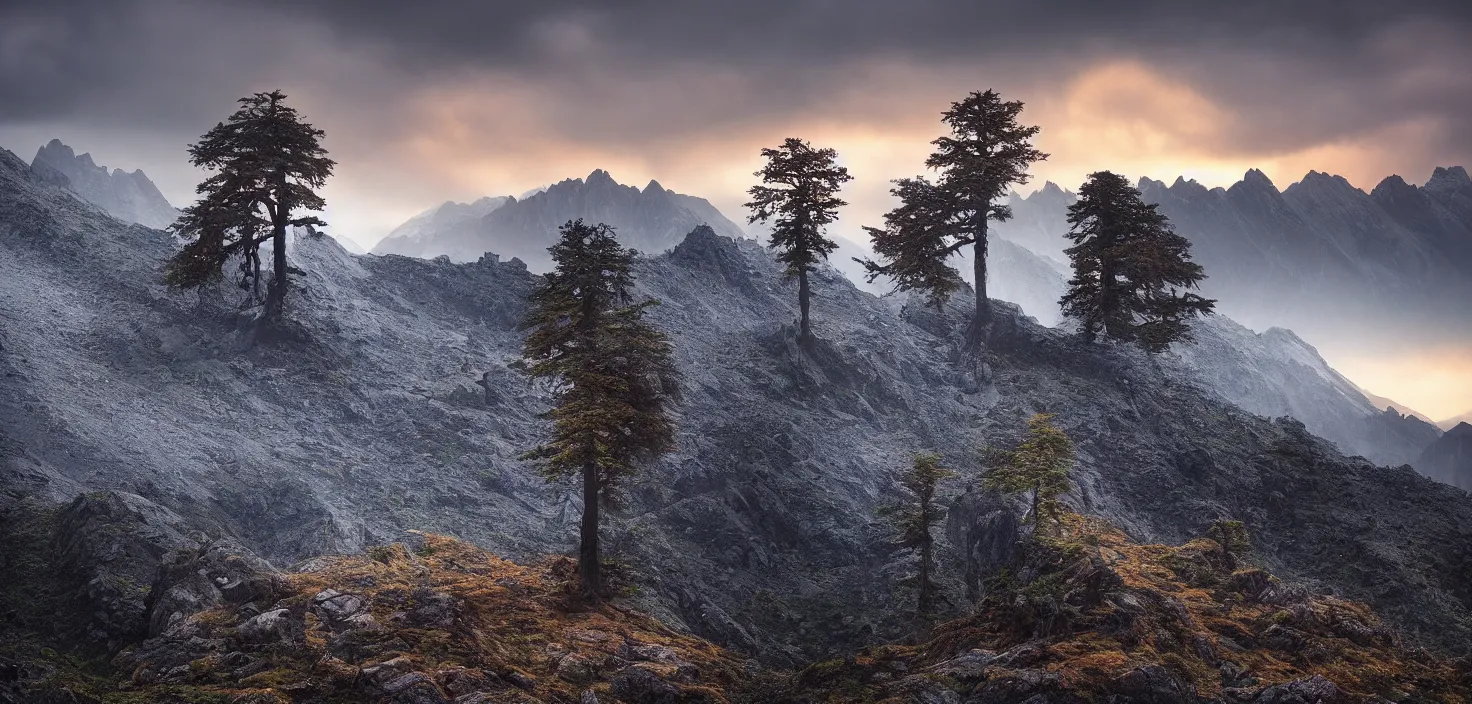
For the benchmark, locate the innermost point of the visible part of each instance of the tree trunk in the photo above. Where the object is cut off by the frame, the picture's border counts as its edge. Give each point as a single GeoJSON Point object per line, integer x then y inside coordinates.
{"type": "Point", "coordinates": [589, 568]}
{"type": "Point", "coordinates": [983, 319]}
{"type": "Point", "coordinates": [276, 294]}
{"type": "Point", "coordinates": [1037, 521]}
{"type": "Point", "coordinates": [802, 302]}
{"type": "Point", "coordinates": [924, 605]}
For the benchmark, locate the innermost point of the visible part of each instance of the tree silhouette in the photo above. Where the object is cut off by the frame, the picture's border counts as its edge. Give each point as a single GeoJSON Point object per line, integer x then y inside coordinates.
{"type": "Point", "coordinates": [986, 153]}
{"type": "Point", "coordinates": [1132, 274]}
{"type": "Point", "coordinates": [799, 196]}
{"type": "Point", "coordinates": [612, 374]}
{"type": "Point", "coordinates": [266, 165]}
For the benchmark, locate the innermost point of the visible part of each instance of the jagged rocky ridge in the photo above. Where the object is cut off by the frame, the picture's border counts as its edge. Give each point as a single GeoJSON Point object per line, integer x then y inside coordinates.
{"type": "Point", "coordinates": [1321, 257]}
{"type": "Point", "coordinates": [651, 220]}
{"type": "Point", "coordinates": [366, 419]}
{"type": "Point", "coordinates": [126, 196]}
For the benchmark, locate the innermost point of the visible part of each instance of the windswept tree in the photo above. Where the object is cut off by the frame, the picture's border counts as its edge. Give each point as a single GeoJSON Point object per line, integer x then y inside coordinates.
{"type": "Point", "coordinates": [612, 376]}
{"type": "Point", "coordinates": [1039, 466]}
{"type": "Point", "coordinates": [984, 156]}
{"type": "Point", "coordinates": [799, 195]}
{"type": "Point", "coordinates": [914, 516]}
{"type": "Point", "coordinates": [1132, 274]}
{"type": "Point", "coordinates": [266, 165]}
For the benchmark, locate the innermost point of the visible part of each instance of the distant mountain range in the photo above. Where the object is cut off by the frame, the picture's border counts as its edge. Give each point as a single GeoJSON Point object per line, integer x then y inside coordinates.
{"type": "Point", "coordinates": [125, 196]}
{"type": "Point", "coordinates": [1321, 257]}
{"type": "Point", "coordinates": [650, 220]}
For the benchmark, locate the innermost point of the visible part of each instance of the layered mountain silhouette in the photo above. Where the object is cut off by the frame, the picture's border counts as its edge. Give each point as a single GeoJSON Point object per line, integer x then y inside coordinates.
{"type": "Point", "coordinates": [1322, 257]}
{"type": "Point", "coordinates": [650, 220]}
{"type": "Point", "coordinates": [126, 196]}
{"type": "Point", "coordinates": [1449, 459]}
{"type": "Point", "coordinates": [1454, 421]}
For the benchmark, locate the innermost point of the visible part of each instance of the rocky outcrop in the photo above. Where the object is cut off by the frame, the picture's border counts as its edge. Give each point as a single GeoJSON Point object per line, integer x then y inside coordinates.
{"type": "Point", "coordinates": [444, 622]}
{"type": "Point", "coordinates": [126, 196]}
{"type": "Point", "coordinates": [1449, 459]}
{"type": "Point", "coordinates": [651, 220]}
{"type": "Point", "coordinates": [1083, 614]}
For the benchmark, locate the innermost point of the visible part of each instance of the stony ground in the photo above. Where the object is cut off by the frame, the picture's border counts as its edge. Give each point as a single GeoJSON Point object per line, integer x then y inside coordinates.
{"type": "Point", "coordinates": [1080, 613]}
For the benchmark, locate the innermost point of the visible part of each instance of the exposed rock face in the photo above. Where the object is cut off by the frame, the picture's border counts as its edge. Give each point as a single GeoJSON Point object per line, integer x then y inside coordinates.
{"type": "Point", "coordinates": [759, 532]}
{"type": "Point", "coordinates": [1450, 457]}
{"type": "Point", "coordinates": [651, 220]}
{"type": "Point", "coordinates": [126, 196]}
{"type": "Point", "coordinates": [1321, 257]}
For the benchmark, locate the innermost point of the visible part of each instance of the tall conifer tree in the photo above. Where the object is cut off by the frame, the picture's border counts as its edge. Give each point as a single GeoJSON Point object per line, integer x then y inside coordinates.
{"type": "Point", "coordinates": [986, 153]}
{"type": "Point", "coordinates": [1132, 274]}
{"type": "Point", "coordinates": [266, 165]}
{"type": "Point", "coordinates": [612, 375]}
{"type": "Point", "coordinates": [799, 194]}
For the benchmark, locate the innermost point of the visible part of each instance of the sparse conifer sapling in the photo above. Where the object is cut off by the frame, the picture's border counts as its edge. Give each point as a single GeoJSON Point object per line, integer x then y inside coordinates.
{"type": "Point", "coordinates": [912, 518]}
{"type": "Point", "coordinates": [1038, 466]}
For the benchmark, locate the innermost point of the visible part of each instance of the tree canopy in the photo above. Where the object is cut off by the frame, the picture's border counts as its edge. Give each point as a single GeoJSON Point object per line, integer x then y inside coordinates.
{"type": "Point", "coordinates": [799, 196]}
{"type": "Point", "coordinates": [612, 374]}
{"type": "Point", "coordinates": [1132, 274]}
{"type": "Point", "coordinates": [266, 163]}
{"type": "Point", "coordinates": [986, 153]}
{"type": "Point", "coordinates": [1038, 465]}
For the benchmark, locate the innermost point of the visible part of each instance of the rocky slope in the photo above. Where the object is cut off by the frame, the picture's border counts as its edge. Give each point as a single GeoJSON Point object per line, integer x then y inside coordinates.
{"type": "Point", "coordinates": [1321, 257]}
{"type": "Point", "coordinates": [651, 220]}
{"type": "Point", "coordinates": [1087, 615]}
{"type": "Point", "coordinates": [1081, 614]}
{"type": "Point", "coordinates": [126, 196]}
{"type": "Point", "coordinates": [1449, 459]}
{"type": "Point", "coordinates": [365, 418]}
{"type": "Point", "coordinates": [1274, 373]}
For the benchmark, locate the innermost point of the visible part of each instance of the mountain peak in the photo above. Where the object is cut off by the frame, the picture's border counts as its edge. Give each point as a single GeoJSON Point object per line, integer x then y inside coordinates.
{"type": "Point", "coordinates": [600, 177]}
{"type": "Point", "coordinates": [126, 196]}
{"type": "Point", "coordinates": [1257, 178]}
{"type": "Point", "coordinates": [1448, 178]}
{"type": "Point", "coordinates": [653, 187]}
{"type": "Point", "coordinates": [1392, 184]}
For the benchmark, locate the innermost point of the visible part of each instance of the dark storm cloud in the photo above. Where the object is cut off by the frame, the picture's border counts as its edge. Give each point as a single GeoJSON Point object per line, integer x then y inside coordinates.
{"type": "Point", "coordinates": [1297, 73]}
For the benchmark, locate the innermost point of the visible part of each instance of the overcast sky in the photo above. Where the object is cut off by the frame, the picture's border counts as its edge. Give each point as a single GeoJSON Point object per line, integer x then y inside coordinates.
{"type": "Point", "coordinates": [428, 101]}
